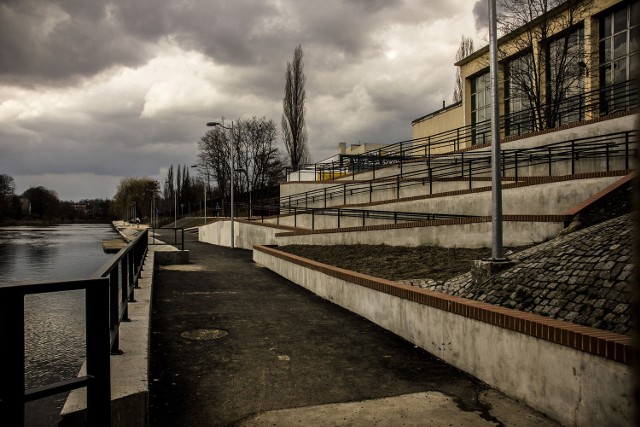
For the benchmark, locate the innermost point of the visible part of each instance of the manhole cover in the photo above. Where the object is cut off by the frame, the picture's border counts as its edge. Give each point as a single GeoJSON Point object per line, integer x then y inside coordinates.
{"type": "Point", "coordinates": [204, 334]}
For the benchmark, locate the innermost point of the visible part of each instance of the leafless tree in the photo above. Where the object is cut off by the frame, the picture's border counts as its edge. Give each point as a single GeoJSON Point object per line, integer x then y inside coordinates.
{"type": "Point", "coordinates": [465, 49]}
{"type": "Point", "coordinates": [256, 158]}
{"type": "Point", "coordinates": [294, 132]}
{"type": "Point", "coordinates": [544, 58]}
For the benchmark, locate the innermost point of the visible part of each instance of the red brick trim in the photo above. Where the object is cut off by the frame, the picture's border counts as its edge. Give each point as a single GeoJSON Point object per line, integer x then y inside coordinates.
{"type": "Point", "coordinates": [430, 223]}
{"type": "Point", "coordinates": [599, 195]}
{"type": "Point", "coordinates": [590, 340]}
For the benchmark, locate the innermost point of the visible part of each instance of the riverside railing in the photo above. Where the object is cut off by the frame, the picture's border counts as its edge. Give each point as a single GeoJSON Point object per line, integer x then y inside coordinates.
{"type": "Point", "coordinates": [107, 294]}
{"type": "Point", "coordinates": [155, 232]}
{"type": "Point", "coordinates": [472, 164]}
{"type": "Point", "coordinates": [602, 101]}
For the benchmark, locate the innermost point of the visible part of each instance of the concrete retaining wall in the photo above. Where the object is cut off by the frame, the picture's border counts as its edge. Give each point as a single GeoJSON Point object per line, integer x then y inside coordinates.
{"type": "Point", "coordinates": [461, 235]}
{"type": "Point", "coordinates": [574, 374]}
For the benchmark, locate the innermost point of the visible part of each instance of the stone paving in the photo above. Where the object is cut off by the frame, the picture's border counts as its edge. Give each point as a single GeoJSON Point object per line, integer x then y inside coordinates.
{"type": "Point", "coordinates": [583, 277]}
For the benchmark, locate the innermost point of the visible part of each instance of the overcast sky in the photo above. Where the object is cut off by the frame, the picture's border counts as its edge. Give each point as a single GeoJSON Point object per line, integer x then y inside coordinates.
{"type": "Point", "coordinates": [92, 91]}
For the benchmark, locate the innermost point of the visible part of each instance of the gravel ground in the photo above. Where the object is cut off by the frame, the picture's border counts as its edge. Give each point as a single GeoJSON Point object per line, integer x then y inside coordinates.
{"type": "Point", "coordinates": [395, 262]}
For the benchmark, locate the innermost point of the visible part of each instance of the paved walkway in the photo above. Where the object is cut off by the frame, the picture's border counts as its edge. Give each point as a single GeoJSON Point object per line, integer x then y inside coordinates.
{"type": "Point", "coordinates": [234, 344]}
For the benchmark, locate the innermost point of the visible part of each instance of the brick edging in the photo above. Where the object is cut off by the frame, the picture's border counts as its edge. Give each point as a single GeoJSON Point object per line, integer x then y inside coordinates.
{"type": "Point", "coordinates": [601, 343]}
{"type": "Point", "coordinates": [429, 223]}
{"type": "Point", "coordinates": [600, 194]}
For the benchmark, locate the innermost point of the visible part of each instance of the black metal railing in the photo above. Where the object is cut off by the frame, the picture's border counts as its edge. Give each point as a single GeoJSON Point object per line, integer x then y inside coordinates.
{"type": "Point", "coordinates": [159, 232]}
{"type": "Point", "coordinates": [107, 294]}
{"type": "Point", "coordinates": [473, 164]}
{"type": "Point", "coordinates": [602, 101]}
{"type": "Point", "coordinates": [341, 213]}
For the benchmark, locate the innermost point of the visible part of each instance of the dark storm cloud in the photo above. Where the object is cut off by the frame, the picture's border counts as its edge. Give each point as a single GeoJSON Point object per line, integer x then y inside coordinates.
{"type": "Point", "coordinates": [58, 42]}
{"type": "Point", "coordinates": [55, 42]}
{"type": "Point", "coordinates": [481, 14]}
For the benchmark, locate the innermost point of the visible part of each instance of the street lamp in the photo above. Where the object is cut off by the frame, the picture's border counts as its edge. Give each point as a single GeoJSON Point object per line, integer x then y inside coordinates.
{"type": "Point", "coordinates": [214, 124]}
{"type": "Point", "coordinates": [204, 184]}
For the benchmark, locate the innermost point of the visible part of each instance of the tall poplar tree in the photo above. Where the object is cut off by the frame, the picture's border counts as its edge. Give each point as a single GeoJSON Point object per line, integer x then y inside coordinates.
{"type": "Point", "coordinates": [294, 131]}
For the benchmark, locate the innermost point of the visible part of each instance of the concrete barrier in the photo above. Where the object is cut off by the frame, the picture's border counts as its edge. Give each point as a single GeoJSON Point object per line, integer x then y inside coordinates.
{"type": "Point", "coordinates": [574, 374]}
{"type": "Point", "coordinates": [129, 370]}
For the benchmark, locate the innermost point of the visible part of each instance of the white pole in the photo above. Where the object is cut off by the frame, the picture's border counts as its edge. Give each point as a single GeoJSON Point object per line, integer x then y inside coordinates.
{"type": "Point", "coordinates": [231, 147]}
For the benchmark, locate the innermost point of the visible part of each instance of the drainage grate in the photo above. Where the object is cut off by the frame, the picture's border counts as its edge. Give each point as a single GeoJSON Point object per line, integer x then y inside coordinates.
{"type": "Point", "coordinates": [204, 334]}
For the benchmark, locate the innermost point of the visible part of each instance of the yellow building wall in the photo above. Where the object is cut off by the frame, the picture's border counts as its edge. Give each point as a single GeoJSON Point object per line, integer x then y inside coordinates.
{"type": "Point", "coordinates": [479, 63]}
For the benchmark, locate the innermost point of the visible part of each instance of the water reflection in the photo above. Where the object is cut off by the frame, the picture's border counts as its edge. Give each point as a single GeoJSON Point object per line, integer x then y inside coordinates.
{"type": "Point", "coordinates": [55, 322]}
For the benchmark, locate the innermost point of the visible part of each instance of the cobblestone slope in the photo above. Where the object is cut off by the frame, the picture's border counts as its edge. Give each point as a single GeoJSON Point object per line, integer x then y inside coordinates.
{"type": "Point", "coordinates": [583, 277]}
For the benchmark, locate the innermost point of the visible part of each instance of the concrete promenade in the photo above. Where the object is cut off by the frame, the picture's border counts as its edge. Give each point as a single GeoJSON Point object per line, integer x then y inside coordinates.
{"type": "Point", "coordinates": [234, 344]}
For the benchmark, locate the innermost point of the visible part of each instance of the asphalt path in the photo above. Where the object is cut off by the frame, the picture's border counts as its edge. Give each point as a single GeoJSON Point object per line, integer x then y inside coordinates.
{"type": "Point", "coordinates": [233, 343]}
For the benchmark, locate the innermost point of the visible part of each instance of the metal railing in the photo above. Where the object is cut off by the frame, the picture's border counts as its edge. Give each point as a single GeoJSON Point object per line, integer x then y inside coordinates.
{"type": "Point", "coordinates": [602, 101]}
{"type": "Point", "coordinates": [472, 164]}
{"type": "Point", "coordinates": [107, 294]}
{"type": "Point", "coordinates": [175, 241]}
{"type": "Point", "coordinates": [339, 213]}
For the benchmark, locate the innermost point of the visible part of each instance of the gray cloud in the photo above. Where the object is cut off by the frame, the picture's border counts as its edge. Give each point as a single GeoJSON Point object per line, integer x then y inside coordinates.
{"type": "Point", "coordinates": [481, 13]}
{"type": "Point", "coordinates": [123, 88]}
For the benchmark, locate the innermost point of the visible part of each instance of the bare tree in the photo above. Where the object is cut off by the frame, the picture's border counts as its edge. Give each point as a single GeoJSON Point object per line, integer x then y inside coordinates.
{"type": "Point", "coordinates": [255, 154]}
{"type": "Point", "coordinates": [294, 131]}
{"type": "Point", "coordinates": [545, 63]}
{"type": "Point", "coordinates": [465, 49]}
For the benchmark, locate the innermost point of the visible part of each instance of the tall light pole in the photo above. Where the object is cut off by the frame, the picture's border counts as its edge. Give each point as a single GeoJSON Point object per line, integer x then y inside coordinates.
{"type": "Point", "coordinates": [204, 184]}
{"type": "Point", "coordinates": [496, 193]}
{"type": "Point", "coordinates": [213, 124]}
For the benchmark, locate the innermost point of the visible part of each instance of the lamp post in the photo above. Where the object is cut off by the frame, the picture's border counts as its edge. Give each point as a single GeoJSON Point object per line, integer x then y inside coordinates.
{"type": "Point", "coordinates": [204, 184]}
{"type": "Point", "coordinates": [213, 124]}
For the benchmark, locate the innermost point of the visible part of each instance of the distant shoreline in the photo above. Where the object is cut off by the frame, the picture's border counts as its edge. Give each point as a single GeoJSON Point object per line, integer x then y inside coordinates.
{"type": "Point", "coordinates": [35, 222]}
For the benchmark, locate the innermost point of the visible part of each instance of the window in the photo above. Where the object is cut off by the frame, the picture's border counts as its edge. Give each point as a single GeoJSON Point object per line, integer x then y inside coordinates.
{"type": "Point", "coordinates": [480, 108]}
{"type": "Point", "coordinates": [566, 68]}
{"type": "Point", "coordinates": [519, 88]}
{"type": "Point", "coordinates": [619, 55]}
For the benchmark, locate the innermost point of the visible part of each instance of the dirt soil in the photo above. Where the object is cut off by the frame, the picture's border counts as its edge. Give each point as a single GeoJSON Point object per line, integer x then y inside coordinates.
{"type": "Point", "coordinates": [394, 262]}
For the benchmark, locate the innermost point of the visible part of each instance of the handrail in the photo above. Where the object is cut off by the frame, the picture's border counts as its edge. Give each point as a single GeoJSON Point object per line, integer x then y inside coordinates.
{"type": "Point", "coordinates": [107, 294]}
{"type": "Point", "coordinates": [364, 214]}
{"type": "Point", "coordinates": [474, 163]}
{"type": "Point", "coordinates": [175, 236]}
{"type": "Point", "coordinates": [604, 100]}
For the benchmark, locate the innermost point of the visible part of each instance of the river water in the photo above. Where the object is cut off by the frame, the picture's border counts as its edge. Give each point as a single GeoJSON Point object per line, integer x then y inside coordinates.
{"type": "Point", "coordinates": [54, 322]}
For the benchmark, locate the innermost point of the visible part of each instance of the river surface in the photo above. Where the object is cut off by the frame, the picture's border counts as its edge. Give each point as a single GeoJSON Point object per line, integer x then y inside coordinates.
{"type": "Point", "coordinates": [54, 322]}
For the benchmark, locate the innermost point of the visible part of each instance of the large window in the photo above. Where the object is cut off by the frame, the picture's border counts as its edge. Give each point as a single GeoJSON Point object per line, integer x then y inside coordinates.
{"type": "Point", "coordinates": [480, 108]}
{"type": "Point", "coordinates": [519, 90]}
{"type": "Point", "coordinates": [619, 56]}
{"type": "Point", "coordinates": [566, 68]}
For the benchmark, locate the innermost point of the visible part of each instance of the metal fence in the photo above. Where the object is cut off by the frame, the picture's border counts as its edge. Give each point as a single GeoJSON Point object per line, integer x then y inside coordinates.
{"type": "Point", "coordinates": [599, 102]}
{"type": "Point", "coordinates": [107, 294]}
{"type": "Point", "coordinates": [468, 165]}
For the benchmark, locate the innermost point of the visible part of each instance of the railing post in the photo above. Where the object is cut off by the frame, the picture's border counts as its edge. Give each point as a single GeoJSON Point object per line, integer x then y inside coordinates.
{"type": "Point", "coordinates": [398, 187]}
{"type": "Point", "coordinates": [626, 150]}
{"type": "Point", "coordinates": [363, 220]}
{"type": "Point", "coordinates": [313, 219]}
{"type": "Point", "coordinates": [12, 339]}
{"type": "Point", "coordinates": [573, 163]}
{"type": "Point", "coordinates": [325, 197]}
{"type": "Point", "coordinates": [430, 181]}
{"type": "Point", "coordinates": [516, 166]}
{"type": "Point", "coordinates": [470, 171]}
{"type": "Point", "coordinates": [99, 389]}
{"type": "Point", "coordinates": [549, 149]}
{"type": "Point", "coordinates": [606, 148]}
{"type": "Point", "coordinates": [338, 217]}
{"type": "Point", "coordinates": [344, 194]}
{"type": "Point", "coordinates": [114, 309]}
{"type": "Point", "coordinates": [370, 191]}
{"type": "Point", "coordinates": [295, 217]}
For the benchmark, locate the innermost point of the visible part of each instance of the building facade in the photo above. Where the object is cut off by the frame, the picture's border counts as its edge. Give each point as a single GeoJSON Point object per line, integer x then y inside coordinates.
{"type": "Point", "coordinates": [575, 63]}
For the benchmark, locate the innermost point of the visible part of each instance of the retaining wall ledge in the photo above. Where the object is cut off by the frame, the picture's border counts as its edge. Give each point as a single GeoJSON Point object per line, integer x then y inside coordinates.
{"type": "Point", "coordinates": [576, 375]}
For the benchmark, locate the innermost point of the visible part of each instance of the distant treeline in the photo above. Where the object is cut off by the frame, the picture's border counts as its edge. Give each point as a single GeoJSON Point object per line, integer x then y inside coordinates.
{"type": "Point", "coordinates": [40, 204]}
